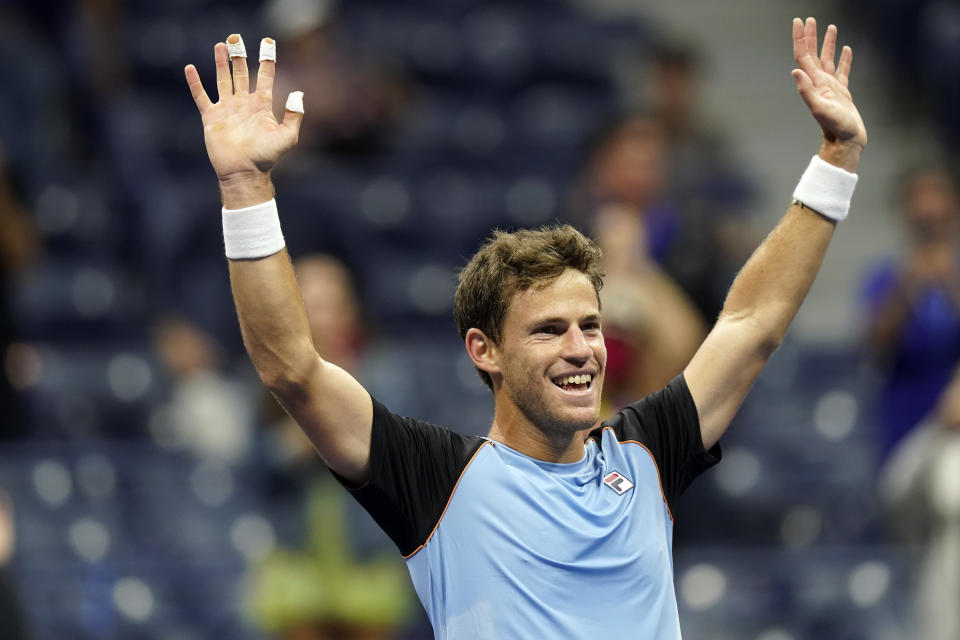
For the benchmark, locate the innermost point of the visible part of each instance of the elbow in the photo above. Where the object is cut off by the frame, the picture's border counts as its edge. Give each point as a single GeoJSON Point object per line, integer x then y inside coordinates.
{"type": "Point", "coordinates": [765, 334]}
{"type": "Point", "coordinates": [289, 379]}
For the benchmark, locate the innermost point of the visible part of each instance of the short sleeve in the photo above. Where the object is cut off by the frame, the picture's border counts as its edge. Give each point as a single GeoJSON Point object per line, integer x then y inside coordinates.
{"type": "Point", "coordinates": [414, 467]}
{"type": "Point", "coordinates": [667, 424]}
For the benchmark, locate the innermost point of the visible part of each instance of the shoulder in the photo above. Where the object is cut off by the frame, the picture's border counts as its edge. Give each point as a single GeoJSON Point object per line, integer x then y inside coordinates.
{"type": "Point", "coordinates": [669, 407]}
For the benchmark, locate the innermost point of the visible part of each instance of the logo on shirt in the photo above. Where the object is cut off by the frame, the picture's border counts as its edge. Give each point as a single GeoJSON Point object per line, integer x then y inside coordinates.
{"type": "Point", "coordinates": [617, 482]}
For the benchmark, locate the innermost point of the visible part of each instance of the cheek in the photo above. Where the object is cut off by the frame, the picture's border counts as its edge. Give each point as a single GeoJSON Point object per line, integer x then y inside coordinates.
{"type": "Point", "coordinates": [600, 350]}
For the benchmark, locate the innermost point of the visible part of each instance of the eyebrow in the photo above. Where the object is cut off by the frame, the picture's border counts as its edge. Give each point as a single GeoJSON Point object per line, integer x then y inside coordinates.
{"type": "Point", "coordinates": [556, 319]}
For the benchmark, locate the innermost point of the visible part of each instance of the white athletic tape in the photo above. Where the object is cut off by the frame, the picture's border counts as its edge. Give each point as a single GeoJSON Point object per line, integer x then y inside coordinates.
{"type": "Point", "coordinates": [827, 189]}
{"type": "Point", "coordinates": [236, 50]}
{"type": "Point", "coordinates": [295, 101]}
{"type": "Point", "coordinates": [252, 232]}
{"type": "Point", "coordinates": [268, 50]}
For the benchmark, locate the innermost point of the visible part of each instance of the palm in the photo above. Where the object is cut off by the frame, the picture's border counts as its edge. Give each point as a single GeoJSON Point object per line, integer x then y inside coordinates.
{"type": "Point", "coordinates": [824, 87]}
{"type": "Point", "coordinates": [240, 131]}
{"type": "Point", "coordinates": [242, 135]}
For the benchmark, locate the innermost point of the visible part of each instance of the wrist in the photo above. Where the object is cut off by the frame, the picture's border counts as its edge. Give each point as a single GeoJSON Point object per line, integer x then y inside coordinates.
{"type": "Point", "coordinates": [826, 188]}
{"type": "Point", "coordinates": [845, 155]}
{"type": "Point", "coordinates": [240, 190]}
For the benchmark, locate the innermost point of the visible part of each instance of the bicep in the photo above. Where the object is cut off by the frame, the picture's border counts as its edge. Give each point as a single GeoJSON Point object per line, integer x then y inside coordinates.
{"type": "Point", "coordinates": [336, 413]}
{"type": "Point", "coordinates": [722, 372]}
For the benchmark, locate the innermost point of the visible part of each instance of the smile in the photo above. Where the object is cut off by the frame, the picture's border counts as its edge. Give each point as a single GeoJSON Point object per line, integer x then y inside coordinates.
{"type": "Point", "coordinates": [579, 382]}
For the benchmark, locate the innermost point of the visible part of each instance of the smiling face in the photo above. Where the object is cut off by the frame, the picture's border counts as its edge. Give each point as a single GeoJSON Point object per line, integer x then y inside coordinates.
{"type": "Point", "coordinates": [551, 357]}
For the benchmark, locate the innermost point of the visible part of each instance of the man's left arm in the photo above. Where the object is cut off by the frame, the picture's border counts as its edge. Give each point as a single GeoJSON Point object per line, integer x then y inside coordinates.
{"type": "Point", "coordinates": [771, 286]}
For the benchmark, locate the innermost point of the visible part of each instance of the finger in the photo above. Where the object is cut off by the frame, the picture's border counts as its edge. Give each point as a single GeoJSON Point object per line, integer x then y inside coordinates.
{"type": "Point", "coordinates": [196, 88]}
{"type": "Point", "coordinates": [293, 116]}
{"type": "Point", "coordinates": [829, 49]}
{"type": "Point", "coordinates": [843, 69]}
{"type": "Point", "coordinates": [803, 56]}
{"type": "Point", "coordinates": [238, 59]}
{"type": "Point", "coordinates": [224, 82]}
{"type": "Point", "coordinates": [268, 66]}
{"type": "Point", "coordinates": [810, 31]}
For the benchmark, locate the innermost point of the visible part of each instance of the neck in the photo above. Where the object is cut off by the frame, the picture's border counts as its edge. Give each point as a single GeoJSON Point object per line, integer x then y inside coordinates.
{"type": "Point", "coordinates": [512, 428]}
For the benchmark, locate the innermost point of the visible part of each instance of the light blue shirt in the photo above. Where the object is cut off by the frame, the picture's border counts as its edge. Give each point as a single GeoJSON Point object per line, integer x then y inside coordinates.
{"type": "Point", "coordinates": [503, 546]}
{"type": "Point", "coordinates": [531, 549]}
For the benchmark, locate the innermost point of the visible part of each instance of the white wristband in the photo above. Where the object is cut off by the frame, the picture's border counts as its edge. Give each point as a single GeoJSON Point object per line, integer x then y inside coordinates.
{"type": "Point", "coordinates": [826, 189]}
{"type": "Point", "coordinates": [252, 232]}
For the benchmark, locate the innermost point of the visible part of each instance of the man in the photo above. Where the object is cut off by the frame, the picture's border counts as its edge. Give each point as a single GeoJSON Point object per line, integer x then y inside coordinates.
{"type": "Point", "coordinates": [549, 527]}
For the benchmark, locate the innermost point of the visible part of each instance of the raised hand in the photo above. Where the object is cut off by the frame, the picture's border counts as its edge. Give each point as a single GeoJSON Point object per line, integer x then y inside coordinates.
{"type": "Point", "coordinates": [823, 86]}
{"type": "Point", "coordinates": [242, 136]}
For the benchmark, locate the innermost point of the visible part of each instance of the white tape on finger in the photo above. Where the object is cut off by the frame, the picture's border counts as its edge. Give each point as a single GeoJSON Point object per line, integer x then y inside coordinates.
{"type": "Point", "coordinates": [268, 50]}
{"type": "Point", "coordinates": [236, 49]}
{"type": "Point", "coordinates": [295, 102]}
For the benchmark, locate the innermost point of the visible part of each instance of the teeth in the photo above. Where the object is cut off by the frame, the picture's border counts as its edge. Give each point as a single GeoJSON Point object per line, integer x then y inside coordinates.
{"type": "Point", "coordinates": [580, 379]}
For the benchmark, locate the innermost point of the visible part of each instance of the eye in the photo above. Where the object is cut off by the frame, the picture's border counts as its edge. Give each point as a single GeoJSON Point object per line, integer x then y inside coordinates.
{"type": "Point", "coordinates": [549, 329]}
{"type": "Point", "coordinates": [593, 325]}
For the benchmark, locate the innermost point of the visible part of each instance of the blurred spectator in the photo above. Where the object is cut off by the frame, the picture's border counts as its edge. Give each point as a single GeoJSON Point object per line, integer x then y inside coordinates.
{"type": "Point", "coordinates": [12, 623]}
{"type": "Point", "coordinates": [343, 582]}
{"type": "Point", "coordinates": [333, 312]}
{"type": "Point", "coordinates": [352, 99]}
{"type": "Point", "coordinates": [322, 592]}
{"type": "Point", "coordinates": [712, 238]}
{"type": "Point", "coordinates": [920, 488]}
{"type": "Point", "coordinates": [210, 412]}
{"type": "Point", "coordinates": [912, 305]}
{"type": "Point", "coordinates": [19, 245]}
{"type": "Point", "coordinates": [652, 328]}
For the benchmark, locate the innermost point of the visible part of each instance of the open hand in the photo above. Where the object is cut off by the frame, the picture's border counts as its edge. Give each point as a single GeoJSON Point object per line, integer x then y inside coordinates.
{"type": "Point", "coordinates": [824, 87]}
{"type": "Point", "coordinates": [242, 135]}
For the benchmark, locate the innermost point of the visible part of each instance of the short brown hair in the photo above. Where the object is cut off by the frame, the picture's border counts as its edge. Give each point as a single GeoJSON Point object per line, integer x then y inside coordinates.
{"type": "Point", "coordinates": [509, 263]}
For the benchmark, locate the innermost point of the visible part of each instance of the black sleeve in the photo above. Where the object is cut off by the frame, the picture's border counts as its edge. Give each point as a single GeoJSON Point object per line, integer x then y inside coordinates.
{"type": "Point", "coordinates": [666, 423]}
{"type": "Point", "coordinates": [414, 467]}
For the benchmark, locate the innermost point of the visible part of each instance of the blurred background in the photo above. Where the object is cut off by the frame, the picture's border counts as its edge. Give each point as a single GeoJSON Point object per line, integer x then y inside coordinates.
{"type": "Point", "coordinates": [149, 488]}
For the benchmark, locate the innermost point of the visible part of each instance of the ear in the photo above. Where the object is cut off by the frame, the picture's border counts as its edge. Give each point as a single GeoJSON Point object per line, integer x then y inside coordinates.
{"type": "Point", "coordinates": [482, 351]}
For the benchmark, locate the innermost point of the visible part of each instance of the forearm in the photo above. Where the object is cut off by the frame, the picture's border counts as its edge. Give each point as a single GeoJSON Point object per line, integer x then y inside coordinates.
{"type": "Point", "coordinates": [269, 306]}
{"type": "Point", "coordinates": [775, 280]}
{"type": "Point", "coordinates": [771, 286]}
{"type": "Point", "coordinates": [272, 319]}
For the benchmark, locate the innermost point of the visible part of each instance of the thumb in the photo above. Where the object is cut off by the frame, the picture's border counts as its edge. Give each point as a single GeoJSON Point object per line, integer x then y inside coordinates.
{"type": "Point", "coordinates": [293, 114]}
{"type": "Point", "coordinates": [804, 84]}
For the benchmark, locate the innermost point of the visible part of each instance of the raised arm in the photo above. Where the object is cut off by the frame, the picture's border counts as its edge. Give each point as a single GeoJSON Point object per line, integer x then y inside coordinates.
{"type": "Point", "coordinates": [769, 289]}
{"type": "Point", "coordinates": [244, 140]}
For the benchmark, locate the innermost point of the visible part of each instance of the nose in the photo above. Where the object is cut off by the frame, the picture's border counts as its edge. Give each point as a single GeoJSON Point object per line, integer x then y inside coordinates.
{"type": "Point", "coordinates": [576, 348]}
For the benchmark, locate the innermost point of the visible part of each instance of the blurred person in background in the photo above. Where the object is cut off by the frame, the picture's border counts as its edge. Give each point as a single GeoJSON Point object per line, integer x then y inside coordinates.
{"type": "Point", "coordinates": [358, 98]}
{"type": "Point", "coordinates": [713, 236]}
{"type": "Point", "coordinates": [336, 327]}
{"type": "Point", "coordinates": [912, 305]}
{"type": "Point", "coordinates": [12, 620]}
{"type": "Point", "coordinates": [324, 589]}
{"type": "Point", "coordinates": [338, 578]}
{"type": "Point", "coordinates": [920, 494]}
{"type": "Point", "coordinates": [652, 329]}
{"type": "Point", "coordinates": [19, 246]}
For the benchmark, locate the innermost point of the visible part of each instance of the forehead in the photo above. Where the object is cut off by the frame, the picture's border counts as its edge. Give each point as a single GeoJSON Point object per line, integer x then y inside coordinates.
{"type": "Point", "coordinates": [569, 295]}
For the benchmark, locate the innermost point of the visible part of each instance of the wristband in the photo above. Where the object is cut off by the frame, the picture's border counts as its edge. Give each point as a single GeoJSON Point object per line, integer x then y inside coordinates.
{"type": "Point", "coordinates": [252, 232]}
{"type": "Point", "coordinates": [826, 189]}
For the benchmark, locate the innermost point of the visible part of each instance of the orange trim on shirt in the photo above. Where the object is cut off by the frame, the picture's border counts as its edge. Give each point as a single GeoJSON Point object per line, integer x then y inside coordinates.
{"type": "Point", "coordinates": [466, 466]}
{"type": "Point", "coordinates": [659, 478]}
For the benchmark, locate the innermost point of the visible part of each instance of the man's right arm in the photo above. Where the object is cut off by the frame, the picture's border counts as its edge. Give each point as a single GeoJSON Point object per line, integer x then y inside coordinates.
{"type": "Point", "coordinates": [243, 141]}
